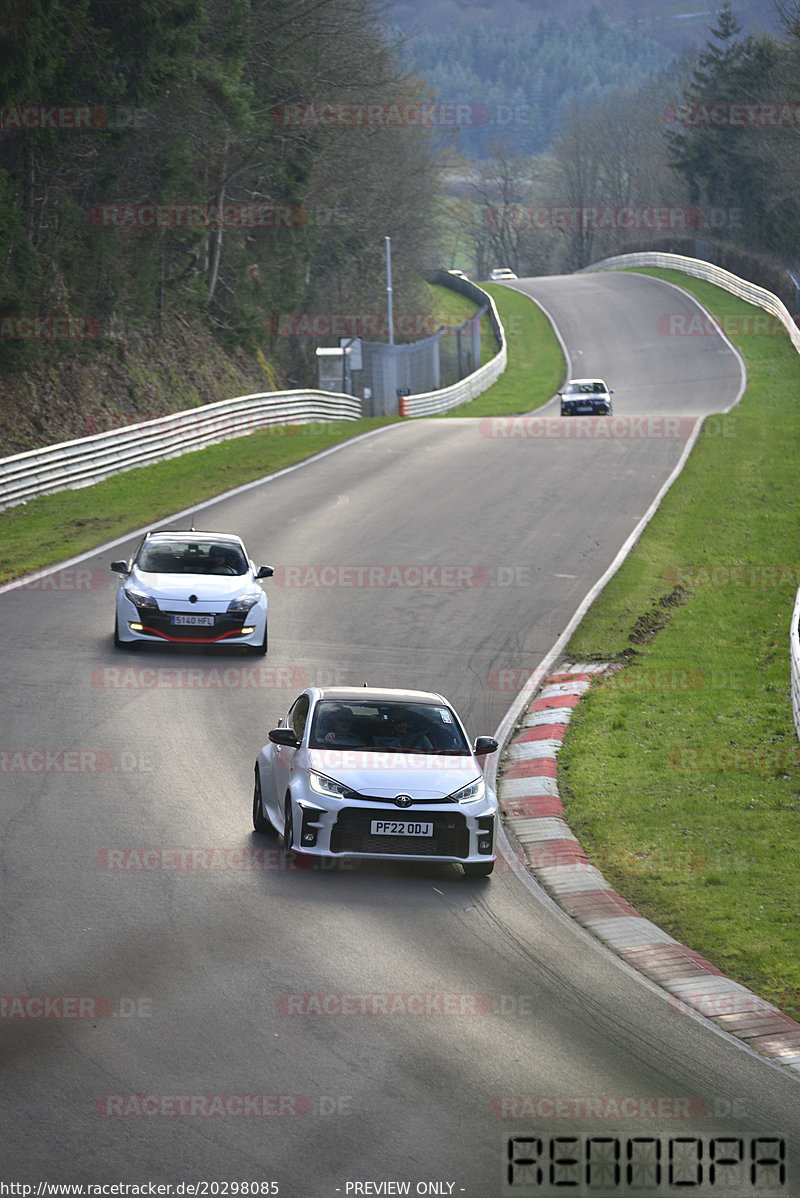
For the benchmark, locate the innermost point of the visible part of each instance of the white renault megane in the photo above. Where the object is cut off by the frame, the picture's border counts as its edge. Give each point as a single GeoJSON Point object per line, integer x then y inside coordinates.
{"type": "Point", "coordinates": [191, 588]}
{"type": "Point", "coordinates": [365, 772]}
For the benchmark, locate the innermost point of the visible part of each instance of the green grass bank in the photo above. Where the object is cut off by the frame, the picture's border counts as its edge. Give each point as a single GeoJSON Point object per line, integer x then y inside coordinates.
{"type": "Point", "coordinates": [680, 775]}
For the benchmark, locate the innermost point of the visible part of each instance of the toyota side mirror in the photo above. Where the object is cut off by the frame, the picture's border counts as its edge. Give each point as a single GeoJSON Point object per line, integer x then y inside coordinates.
{"type": "Point", "coordinates": [284, 736]}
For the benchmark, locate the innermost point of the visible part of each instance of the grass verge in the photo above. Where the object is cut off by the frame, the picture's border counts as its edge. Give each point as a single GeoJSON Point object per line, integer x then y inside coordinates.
{"type": "Point", "coordinates": [54, 528]}
{"type": "Point", "coordinates": [680, 776]}
{"type": "Point", "coordinates": [535, 362]}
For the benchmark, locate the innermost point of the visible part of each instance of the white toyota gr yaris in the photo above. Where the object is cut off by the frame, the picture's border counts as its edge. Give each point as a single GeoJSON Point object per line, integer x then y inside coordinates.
{"type": "Point", "coordinates": [364, 772]}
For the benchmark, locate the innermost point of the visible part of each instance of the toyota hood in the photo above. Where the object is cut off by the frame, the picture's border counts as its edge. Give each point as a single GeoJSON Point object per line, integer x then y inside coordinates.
{"type": "Point", "coordinates": [386, 773]}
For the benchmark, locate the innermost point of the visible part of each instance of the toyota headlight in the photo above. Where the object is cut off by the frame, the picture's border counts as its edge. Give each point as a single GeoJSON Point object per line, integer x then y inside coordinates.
{"type": "Point", "coordinates": [324, 785]}
{"type": "Point", "coordinates": [473, 792]}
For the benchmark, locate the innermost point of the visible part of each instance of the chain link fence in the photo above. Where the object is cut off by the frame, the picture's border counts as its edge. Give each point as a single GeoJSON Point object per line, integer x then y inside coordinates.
{"type": "Point", "coordinates": [381, 374]}
{"type": "Point", "coordinates": [392, 371]}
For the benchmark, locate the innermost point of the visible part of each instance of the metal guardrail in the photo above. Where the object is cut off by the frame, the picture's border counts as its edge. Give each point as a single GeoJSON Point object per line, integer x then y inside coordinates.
{"type": "Point", "coordinates": [712, 274]}
{"type": "Point", "coordinates": [73, 464]}
{"type": "Point", "coordinates": [762, 299]}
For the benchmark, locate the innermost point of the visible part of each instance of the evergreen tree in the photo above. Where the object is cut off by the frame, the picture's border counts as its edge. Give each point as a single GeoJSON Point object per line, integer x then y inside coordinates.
{"type": "Point", "coordinates": [743, 162]}
{"type": "Point", "coordinates": [701, 151]}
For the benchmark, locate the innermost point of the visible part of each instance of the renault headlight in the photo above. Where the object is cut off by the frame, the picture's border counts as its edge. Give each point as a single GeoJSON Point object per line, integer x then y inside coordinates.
{"type": "Point", "coordinates": [140, 598]}
{"type": "Point", "coordinates": [244, 602]}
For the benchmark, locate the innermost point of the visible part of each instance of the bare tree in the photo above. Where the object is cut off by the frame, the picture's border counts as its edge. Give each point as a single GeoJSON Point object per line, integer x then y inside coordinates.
{"type": "Point", "coordinates": [616, 177]}
{"type": "Point", "coordinates": [500, 191]}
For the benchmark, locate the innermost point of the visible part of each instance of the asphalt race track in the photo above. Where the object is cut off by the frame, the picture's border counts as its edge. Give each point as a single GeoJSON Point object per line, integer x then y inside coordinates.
{"type": "Point", "coordinates": [215, 1015]}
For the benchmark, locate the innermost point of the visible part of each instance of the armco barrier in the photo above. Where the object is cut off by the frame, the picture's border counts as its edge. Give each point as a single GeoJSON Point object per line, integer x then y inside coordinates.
{"type": "Point", "coordinates": [80, 463]}
{"type": "Point", "coordinates": [712, 274]}
{"type": "Point", "coordinates": [762, 299]}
